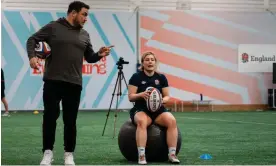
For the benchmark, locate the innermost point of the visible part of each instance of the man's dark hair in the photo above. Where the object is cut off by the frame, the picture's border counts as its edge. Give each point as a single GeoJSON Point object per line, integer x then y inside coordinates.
{"type": "Point", "coordinates": [77, 6]}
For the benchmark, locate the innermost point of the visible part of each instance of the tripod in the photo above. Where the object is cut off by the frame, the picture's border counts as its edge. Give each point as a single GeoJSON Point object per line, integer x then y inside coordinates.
{"type": "Point", "coordinates": [118, 83]}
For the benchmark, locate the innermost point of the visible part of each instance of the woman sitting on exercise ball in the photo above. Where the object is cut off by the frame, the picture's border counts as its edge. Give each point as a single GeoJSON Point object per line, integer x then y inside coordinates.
{"type": "Point", "coordinates": [141, 116]}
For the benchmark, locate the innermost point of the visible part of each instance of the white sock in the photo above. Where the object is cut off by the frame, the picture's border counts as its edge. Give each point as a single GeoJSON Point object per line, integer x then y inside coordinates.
{"type": "Point", "coordinates": [141, 151]}
{"type": "Point", "coordinates": [172, 150]}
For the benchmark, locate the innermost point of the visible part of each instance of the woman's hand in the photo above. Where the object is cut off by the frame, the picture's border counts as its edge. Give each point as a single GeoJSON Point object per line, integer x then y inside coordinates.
{"type": "Point", "coordinates": [165, 100]}
{"type": "Point", "coordinates": [133, 96]}
{"type": "Point", "coordinates": [144, 95]}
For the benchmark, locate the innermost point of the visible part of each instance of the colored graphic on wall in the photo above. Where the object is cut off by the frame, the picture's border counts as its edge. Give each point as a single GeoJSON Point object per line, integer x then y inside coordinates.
{"type": "Point", "coordinates": [198, 52]}
{"type": "Point", "coordinates": [24, 86]}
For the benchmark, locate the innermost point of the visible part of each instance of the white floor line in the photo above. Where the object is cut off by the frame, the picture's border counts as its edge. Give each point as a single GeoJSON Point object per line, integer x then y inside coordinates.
{"type": "Point", "coordinates": [229, 121]}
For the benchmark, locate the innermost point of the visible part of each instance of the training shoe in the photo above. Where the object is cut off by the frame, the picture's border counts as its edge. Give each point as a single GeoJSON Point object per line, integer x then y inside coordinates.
{"type": "Point", "coordinates": [47, 158]}
{"type": "Point", "coordinates": [68, 158]}
{"type": "Point", "coordinates": [142, 160]}
{"type": "Point", "coordinates": [6, 114]}
{"type": "Point", "coordinates": [173, 159]}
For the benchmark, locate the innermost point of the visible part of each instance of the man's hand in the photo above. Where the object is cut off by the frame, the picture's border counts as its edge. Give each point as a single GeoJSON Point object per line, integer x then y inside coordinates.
{"type": "Point", "coordinates": [105, 51]}
{"type": "Point", "coordinates": [34, 63]}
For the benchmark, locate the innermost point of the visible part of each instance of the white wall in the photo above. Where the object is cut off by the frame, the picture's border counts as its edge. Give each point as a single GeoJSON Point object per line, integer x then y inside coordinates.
{"type": "Point", "coordinates": [130, 5]}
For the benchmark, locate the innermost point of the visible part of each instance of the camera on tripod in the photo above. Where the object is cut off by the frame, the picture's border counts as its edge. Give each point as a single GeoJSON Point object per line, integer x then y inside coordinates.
{"type": "Point", "coordinates": [121, 61]}
{"type": "Point", "coordinates": [118, 87]}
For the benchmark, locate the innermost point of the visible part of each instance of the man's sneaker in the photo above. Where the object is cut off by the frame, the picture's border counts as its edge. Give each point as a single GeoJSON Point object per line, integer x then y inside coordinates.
{"type": "Point", "coordinates": [6, 114]}
{"type": "Point", "coordinates": [142, 160]}
{"type": "Point", "coordinates": [173, 159]}
{"type": "Point", "coordinates": [69, 158]}
{"type": "Point", "coordinates": [47, 158]}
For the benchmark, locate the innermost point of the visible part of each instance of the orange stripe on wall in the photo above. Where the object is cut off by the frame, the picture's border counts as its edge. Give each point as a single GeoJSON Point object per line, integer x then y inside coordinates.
{"type": "Point", "coordinates": [258, 21]}
{"type": "Point", "coordinates": [198, 88]}
{"type": "Point", "coordinates": [208, 70]}
{"type": "Point", "coordinates": [174, 100]}
{"type": "Point", "coordinates": [199, 67]}
{"type": "Point", "coordinates": [147, 23]}
{"type": "Point", "coordinates": [196, 45]}
{"type": "Point", "coordinates": [215, 29]}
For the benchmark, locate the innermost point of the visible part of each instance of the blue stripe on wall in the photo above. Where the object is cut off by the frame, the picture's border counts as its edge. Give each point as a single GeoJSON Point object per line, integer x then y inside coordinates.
{"type": "Point", "coordinates": [13, 60]}
{"type": "Point", "coordinates": [124, 32]}
{"type": "Point", "coordinates": [20, 28]}
{"type": "Point", "coordinates": [114, 56]}
{"type": "Point", "coordinates": [61, 14]}
{"type": "Point", "coordinates": [43, 18]}
{"type": "Point", "coordinates": [132, 48]}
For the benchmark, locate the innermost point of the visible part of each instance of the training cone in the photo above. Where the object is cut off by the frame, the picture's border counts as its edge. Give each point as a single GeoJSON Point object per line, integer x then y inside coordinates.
{"type": "Point", "coordinates": [205, 157]}
{"type": "Point", "coordinates": [36, 112]}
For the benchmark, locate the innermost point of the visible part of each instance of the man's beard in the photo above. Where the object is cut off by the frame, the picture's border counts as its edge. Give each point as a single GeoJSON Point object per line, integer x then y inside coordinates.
{"type": "Point", "coordinates": [77, 24]}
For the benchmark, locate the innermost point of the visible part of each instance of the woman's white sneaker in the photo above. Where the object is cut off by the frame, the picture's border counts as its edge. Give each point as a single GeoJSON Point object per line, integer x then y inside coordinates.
{"type": "Point", "coordinates": [173, 159]}
{"type": "Point", "coordinates": [142, 160]}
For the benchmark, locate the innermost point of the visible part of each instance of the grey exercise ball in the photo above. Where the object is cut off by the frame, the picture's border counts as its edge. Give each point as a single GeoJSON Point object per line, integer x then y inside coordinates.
{"type": "Point", "coordinates": [156, 148]}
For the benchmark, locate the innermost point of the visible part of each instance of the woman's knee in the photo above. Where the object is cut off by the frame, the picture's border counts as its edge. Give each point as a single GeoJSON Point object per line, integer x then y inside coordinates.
{"type": "Point", "coordinates": [142, 120]}
{"type": "Point", "coordinates": [170, 121]}
{"type": "Point", "coordinates": [167, 120]}
{"type": "Point", "coordinates": [173, 122]}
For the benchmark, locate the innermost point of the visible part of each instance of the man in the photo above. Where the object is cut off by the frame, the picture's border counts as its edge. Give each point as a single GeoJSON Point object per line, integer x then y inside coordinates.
{"type": "Point", "coordinates": [62, 78]}
{"type": "Point", "coordinates": [3, 98]}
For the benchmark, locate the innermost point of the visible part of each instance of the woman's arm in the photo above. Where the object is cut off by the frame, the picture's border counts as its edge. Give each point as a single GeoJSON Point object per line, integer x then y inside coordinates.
{"type": "Point", "coordinates": [133, 95]}
{"type": "Point", "coordinates": [166, 95]}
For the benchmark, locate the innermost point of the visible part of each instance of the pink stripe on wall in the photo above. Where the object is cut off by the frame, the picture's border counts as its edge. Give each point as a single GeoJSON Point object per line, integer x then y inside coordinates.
{"type": "Point", "coordinates": [208, 70]}
{"type": "Point", "coordinates": [218, 30]}
{"type": "Point", "coordinates": [215, 29]}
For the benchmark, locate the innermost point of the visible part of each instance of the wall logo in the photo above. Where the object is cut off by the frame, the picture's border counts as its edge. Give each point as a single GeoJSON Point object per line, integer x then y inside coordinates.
{"type": "Point", "coordinates": [88, 69]}
{"type": "Point", "coordinates": [245, 57]}
{"type": "Point", "coordinates": [98, 68]}
{"type": "Point", "coordinates": [256, 58]}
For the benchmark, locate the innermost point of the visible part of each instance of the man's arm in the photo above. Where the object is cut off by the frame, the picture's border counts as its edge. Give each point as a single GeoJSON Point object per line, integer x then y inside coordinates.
{"type": "Point", "coordinates": [90, 55]}
{"type": "Point", "coordinates": [42, 34]}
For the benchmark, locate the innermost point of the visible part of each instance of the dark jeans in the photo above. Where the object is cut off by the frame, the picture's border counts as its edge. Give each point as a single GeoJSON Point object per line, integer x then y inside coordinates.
{"type": "Point", "coordinates": [69, 94]}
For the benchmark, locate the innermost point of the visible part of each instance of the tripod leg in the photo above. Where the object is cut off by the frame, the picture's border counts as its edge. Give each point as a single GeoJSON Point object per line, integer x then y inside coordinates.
{"type": "Point", "coordinates": [123, 76]}
{"type": "Point", "coordinates": [116, 110]}
{"type": "Point", "coordinates": [110, 104]}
